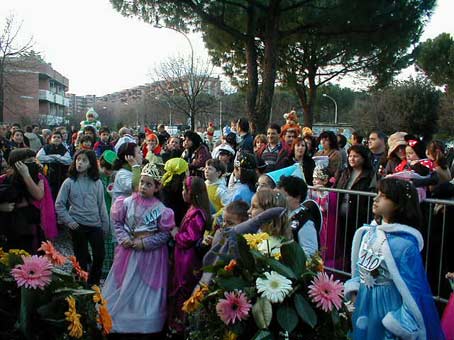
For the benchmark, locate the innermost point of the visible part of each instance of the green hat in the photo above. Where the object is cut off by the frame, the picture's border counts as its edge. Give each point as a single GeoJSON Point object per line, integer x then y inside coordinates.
{"type": "Point", "coordinates": [109, 156]}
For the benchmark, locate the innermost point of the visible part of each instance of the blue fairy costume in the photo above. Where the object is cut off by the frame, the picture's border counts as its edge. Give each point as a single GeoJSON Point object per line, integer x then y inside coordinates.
{"type": "Point", "coordinates": [394, 300]}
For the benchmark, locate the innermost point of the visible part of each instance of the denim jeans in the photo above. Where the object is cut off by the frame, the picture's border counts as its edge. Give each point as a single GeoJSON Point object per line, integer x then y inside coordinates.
{"type": "Point", "coordinates": [95, 236]}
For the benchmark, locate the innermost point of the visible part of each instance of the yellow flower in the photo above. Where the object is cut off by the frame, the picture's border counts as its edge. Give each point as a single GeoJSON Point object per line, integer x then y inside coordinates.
{"type": "Point", "coordinates": [18, 252]}
{"type": "Point", "coordinates": [230, 336]}
{"type": "Point", "coordinates": [253, 240]}
{"type": "Point", "coordinates": [4, 257]}
{"type": "Point", "coordinates": [104, 319]}
{"type": "Point", "coordinates": [316, 263]}
{"type": "Point", "coordinates": [75, 327]}
{"type": "Point", "coordinates": [191, 304]}
{"type": "Point", "coordinates": [97, 296]}
{"type": "Point", "coordinates": [277, 255]}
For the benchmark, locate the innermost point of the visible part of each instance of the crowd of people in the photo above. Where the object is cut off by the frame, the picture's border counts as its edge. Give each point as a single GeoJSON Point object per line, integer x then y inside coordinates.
{"type": "Point", "coordinates": [167, 206]}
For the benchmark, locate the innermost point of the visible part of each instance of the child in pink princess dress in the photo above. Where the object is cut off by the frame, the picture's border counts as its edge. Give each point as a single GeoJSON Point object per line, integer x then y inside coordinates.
{"type": "Point", "coordinates": [188, 260]}
{"type": "Point", "coordinates": [136, 287]}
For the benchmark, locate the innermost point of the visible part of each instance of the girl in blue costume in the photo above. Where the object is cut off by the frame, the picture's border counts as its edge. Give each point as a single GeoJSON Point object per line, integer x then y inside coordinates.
{"type": "Point", "coordinates": [389, 285]}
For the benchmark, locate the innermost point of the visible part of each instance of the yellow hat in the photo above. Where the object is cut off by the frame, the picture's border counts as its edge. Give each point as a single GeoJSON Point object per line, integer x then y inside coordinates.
{"type": "Point", "coordinates": [174, 166]}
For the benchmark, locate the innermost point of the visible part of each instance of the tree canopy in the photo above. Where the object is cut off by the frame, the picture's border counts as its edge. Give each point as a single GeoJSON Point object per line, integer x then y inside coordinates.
{"type": "Point", "coordinates": [435, 57]}
{"type": "Point", "coordinates": [412, 106]}
{"type": "Point", "coordinates": [247, 38]}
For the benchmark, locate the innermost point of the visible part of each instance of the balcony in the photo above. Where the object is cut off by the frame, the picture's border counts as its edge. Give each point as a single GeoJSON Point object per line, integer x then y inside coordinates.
{"type": "Point", "coordinates": [53, 98]}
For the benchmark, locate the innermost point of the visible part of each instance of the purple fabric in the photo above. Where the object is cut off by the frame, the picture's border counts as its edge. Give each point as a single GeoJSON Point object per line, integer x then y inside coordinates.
{"type": "Point", "coordinates": [187, 264]}
{"type": "Point", "coordinates": [153, 264]}
{"type": "Point", "coordinates": [187, 261]}
{"type": "Point", "coordinates": [47, 208]}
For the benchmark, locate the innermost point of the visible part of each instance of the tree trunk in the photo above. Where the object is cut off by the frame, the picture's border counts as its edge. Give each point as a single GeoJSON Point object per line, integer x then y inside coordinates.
{"type": "Point", "coordinates": [271, 39]}
{"type": "Point", "coordinates": [252, 72]}
{"type": "Point", "coordinates": [2, 95]}
{"type": "Point", "coordinates": [307, 100]}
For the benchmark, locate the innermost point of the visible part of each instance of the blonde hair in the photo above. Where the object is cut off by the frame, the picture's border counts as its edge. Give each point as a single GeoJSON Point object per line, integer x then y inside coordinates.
{"type": "Point", "coordinates": [267, 199]}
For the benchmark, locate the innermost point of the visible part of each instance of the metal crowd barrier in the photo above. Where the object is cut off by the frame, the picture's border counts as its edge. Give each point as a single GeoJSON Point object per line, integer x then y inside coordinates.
{"type": "Point", "coordinates": [357, 210]}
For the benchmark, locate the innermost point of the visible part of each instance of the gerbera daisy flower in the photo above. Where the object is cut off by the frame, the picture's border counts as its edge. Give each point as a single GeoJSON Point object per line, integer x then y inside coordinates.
{"type": "Point", "coordinates": [253, 240]}
{"type": "Point", "coordinates": [326, 292]}
{"type": "Point", "coordinates": [75, 327]}
{"type": "Point", "coordinates": [274, 287]}
{"type": "Point", "coordinates": [35, 272]}
{"type": "Point", "coordinates": [271, 246]}
{"type": "Point", "coordinates": [81, 273]}
{"type": "Point", "coordinates": [235, 307]}
{"type": "Point", "coordinates": [52, 254]}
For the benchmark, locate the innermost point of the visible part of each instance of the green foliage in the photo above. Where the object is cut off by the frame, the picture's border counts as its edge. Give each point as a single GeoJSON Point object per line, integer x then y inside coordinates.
{"type": "Point", "coordinates": [287, 318]}
{"type": "Point", "coordinates": [254, 41]}
{"type": "Point", "coordinates": [305, 310]}
{"type": "Point", "coordinates": [410, 106]}
{"type": "Point", "coordinates": [436, 58]}
{"type": "Point", "coordinates": [269, 320]}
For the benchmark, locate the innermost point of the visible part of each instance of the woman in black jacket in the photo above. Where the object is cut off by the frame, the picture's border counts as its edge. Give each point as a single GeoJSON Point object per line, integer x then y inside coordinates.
{"type": "Point", "coordinates": [353, 210]}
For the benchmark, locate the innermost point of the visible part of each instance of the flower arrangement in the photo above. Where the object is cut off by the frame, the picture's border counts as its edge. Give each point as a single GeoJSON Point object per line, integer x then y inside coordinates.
{"type": "Point", "coordinates": [49, 295]}
{"type": "Point", "coordinates": [269, 291]}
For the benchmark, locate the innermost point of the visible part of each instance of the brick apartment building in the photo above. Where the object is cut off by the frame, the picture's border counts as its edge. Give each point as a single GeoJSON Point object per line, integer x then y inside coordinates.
{"type": "Point", "coordinates": [34, 93]}
{"type": "Point", "coordinates": [79, 105]}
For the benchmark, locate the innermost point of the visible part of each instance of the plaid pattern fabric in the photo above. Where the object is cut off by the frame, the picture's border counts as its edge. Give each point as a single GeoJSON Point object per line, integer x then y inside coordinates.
{"type": "Point", "coordinates": [109, 246]}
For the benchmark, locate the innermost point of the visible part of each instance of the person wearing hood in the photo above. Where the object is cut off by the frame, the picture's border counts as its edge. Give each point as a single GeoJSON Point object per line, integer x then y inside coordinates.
{"type": "Point", "coordinates": [389, 286]}
{"type": "Point", "coordinates": [33, 139]}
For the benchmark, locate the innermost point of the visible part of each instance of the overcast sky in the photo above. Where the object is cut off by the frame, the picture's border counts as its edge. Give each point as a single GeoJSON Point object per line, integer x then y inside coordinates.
{"type": "Point", "coordinates": [100, 51]}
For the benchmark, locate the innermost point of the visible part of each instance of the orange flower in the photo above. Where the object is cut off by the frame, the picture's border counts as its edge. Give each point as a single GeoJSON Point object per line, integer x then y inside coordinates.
{"type": "Point", "coordinates": [52, 254]}
{"type": "Point", "coordinates": [104, 319]}
{"type": "Point", "coordinates": [191, 304]}
{"type": "Point", "coordinates": [81, 273]}
{"type": "Point", "coordinates": [231, 265]}
{"type": "Point", "coordinates": [97, 296]}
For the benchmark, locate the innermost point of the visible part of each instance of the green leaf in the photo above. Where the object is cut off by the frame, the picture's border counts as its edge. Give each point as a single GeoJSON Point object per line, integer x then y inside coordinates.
{"type": "Point", "coordinates": [262, 335]}
{"type": "Point", "coordinates": [305, 310]}
{"type": "Point", "coordinates": [294, 257]}
{"type": "Point", "coordinates": [262, 311]}
{"type": "Point", "coordinates": [287, 318]}
{"type": "Point", "coordinates": [60, 272]}
{"type": "Point", "coordinates": [231, 283]}
{"type": "Point", "coordinates": [246, 257]}
{"type": "Point", "coordinates": [335, 317]}
{"type": "Point", "coordinates": [280, 268]}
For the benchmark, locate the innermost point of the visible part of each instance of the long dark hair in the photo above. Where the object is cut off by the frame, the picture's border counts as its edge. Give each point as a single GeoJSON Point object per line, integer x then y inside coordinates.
{"type": "Point", "coordinates": [92, 172]}
{"type": "Point", "coordinates": [331, 138]}
{"type": "Point", "coordinates": [364, 153]}
{"type": "Point", "coordinates": [436, 149]}
{"type": "Point", "coordinates": [405, 197]}
{"type": "Point", "coordinates": [19, 155]}
{"type": "Point", "coordinates": [198, 196]}
{"type": "Point", "coordinates": [195, 138]}
{"type": "Point", "coordinates": [126, 149]}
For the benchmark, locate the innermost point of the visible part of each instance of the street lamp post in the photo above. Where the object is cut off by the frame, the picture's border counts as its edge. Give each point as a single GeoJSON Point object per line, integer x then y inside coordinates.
{"type": "Point", "coordinates": [335, 107]}
{"type": "Point", "coordinates": [191, 74]}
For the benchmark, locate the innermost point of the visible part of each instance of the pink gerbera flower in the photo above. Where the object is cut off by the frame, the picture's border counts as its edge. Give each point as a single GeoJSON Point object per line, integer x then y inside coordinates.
{"type": "Point", "coordinates": [235, 307]}
{"type": "Point", "coordinates": [34, 273]}
{"type": "Point", "coordinates": [52, 254]}
{"type": "Point", "coordinates": [326, 292]}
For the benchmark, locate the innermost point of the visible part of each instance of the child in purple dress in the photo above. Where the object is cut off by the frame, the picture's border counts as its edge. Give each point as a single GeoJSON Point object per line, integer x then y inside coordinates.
{"type": "Point", "coordinates": [188, 261]}
{"type": "Point", "coordinates": [136, 287]}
